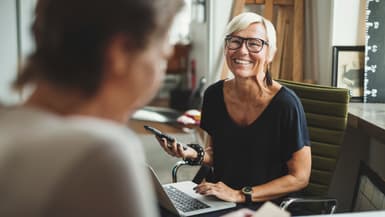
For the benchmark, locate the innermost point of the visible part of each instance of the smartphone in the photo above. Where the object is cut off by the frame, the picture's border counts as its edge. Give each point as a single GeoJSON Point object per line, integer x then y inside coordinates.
{"type": "Point", "coordinates": [159, 134]}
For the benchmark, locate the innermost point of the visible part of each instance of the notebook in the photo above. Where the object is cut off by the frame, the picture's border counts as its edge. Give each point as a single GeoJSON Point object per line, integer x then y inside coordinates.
{"type": "Point", "coordinates": [180, 198]}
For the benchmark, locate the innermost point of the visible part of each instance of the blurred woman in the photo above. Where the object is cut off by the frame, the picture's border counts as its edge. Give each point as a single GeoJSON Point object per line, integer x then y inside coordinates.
{"type": "Point", "coordinates": [66, 151]}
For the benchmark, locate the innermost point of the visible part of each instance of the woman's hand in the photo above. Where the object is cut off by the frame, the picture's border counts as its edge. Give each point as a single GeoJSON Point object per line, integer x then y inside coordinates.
{"type": "Point", "coordinates": [176, 150]}
{"type": "Point", "coordinates": [219, 190]}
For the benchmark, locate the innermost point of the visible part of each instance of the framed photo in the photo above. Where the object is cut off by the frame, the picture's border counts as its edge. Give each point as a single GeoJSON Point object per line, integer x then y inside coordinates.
{"type": "Point", "coordinates": [348, 70]}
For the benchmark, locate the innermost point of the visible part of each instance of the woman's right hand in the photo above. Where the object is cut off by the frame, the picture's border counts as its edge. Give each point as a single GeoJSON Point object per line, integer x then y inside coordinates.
{"type": "Point", "coordinates": [176, 150]}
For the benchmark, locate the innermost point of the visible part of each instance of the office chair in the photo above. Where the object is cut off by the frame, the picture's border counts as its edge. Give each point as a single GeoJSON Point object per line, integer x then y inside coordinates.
{"type": "Point", "coordinates": [326, 110]}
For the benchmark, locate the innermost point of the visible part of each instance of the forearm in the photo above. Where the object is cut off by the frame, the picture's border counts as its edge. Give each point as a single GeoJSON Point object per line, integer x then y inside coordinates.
{"type": "Point", "coordinates": [299, 167]}
{"type": "Point", "coordinates": [278, 187]}
{"type": "Point", "coordinates": [208, 157]}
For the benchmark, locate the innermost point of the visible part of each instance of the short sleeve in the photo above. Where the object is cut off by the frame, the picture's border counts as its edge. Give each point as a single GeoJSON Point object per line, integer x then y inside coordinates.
{"type": "Point", "coordinates": [295, 126]}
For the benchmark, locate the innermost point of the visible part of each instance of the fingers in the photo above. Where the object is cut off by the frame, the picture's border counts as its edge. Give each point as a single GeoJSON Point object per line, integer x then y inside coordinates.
{"type": "Point", "coordinates": [173, 149]}
{"type": "Point", "coordinates": [219, 190]}
{"type": "Point", "coordinates": [180, 151]}
{"type": "Point", "coordinates": [171, 146]}
{"type": "Point", "coordinates": [162, 142]}
{"type": "Point", "coordinates": [206, 188]}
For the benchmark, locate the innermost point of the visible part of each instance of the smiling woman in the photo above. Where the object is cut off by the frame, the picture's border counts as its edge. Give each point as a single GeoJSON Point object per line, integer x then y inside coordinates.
{"type": "Point", "coordinates": [258, 136]}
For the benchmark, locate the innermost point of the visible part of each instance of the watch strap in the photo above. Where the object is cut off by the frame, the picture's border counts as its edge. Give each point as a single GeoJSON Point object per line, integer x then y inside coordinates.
{"type": "Point", "coordinates": [247, 191]}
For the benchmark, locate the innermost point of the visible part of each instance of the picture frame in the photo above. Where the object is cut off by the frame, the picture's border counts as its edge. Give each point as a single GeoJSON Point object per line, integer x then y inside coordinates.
{"type": "Point", "coordinates": [348, 67]}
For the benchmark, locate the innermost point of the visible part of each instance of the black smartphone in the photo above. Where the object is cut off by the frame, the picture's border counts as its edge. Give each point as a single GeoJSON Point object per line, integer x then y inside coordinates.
{"type": "Point", "coordinates": [159, 134]}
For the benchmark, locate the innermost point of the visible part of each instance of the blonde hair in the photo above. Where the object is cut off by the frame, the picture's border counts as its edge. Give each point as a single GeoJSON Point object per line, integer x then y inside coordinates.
{"type": "Point", "coordinates": [243, 20]}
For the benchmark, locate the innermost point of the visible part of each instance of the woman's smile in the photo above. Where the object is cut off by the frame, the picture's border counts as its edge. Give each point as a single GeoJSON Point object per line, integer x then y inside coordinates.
{"type": "Point", "coordinates": [242, 61]}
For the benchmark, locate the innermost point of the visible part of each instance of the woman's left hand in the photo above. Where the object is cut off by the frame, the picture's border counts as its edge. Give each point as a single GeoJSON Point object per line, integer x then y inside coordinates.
{"type": "Point", "coordinates": [220, 190]}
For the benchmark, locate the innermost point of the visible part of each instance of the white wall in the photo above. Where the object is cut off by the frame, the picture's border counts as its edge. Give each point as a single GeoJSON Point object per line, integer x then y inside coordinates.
{"type": "Point", "coordinates": [26, 17]}
{"type": "Point", "coordinates": [199, 50]}
{"type": "Point", "coordinates": [349, 22]}
{"type": "Point", "coordinates": [9, 45]}
{"type": "Point", "coordinates": [323, 21]}
{"type": "Point", "coordinates": [340, 23]}
{"type": "Point", "coordinates": [8, 51]}
{"type": "Point", "coordinates": [219, 16]}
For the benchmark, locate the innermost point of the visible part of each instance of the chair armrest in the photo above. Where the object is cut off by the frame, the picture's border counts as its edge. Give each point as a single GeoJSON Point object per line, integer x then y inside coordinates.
{"type": "Point", "coordinates": [331, 202]}
{"type": "Point", "coordinates": [204, 172]}
{"type": "Point", "coordinates": [175, 169]}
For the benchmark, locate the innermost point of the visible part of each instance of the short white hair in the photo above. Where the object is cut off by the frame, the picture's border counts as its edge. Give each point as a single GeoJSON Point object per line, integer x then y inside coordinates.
{"type": "Point", "coordinates": [245, 19]}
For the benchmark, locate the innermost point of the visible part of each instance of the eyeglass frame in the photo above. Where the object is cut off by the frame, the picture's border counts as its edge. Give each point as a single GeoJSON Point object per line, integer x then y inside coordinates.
{"type": "Point", "coordinates": [228, 37]}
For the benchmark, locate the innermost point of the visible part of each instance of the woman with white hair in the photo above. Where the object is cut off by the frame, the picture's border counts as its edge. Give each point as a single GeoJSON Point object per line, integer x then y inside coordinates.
{"type": "Point", "coordinates": [258, 144]}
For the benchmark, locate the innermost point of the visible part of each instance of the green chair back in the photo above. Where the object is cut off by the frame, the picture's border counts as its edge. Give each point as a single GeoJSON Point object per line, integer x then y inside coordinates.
{"type": "Point", "coordinates": [326, 110]}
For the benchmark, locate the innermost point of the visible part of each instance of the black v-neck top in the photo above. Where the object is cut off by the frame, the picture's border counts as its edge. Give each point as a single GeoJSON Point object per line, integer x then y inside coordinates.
{"type": "Point", "coordinates": [254, 154]}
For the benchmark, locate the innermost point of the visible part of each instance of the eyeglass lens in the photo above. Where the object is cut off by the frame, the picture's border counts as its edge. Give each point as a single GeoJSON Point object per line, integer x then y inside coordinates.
{"type": "Point", "coordinates": [254, 45]}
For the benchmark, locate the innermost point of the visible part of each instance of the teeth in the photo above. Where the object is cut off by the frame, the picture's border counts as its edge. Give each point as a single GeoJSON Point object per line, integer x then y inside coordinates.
{"type": "Point", "coordinates": [238, 61]}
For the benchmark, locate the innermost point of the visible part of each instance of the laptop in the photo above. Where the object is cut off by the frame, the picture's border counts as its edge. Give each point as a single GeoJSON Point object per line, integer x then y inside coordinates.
{"type": "Point", "coordinates": [180, 198]}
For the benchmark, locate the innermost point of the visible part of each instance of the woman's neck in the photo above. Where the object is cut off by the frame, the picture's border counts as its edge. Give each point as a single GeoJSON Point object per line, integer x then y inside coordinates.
{"type": "Point", "coordinates": [251, 88]}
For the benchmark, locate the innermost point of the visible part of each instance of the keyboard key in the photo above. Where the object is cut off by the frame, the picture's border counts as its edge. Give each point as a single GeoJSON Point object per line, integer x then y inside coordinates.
{"type": "Point", "coordinates": [183, 201]}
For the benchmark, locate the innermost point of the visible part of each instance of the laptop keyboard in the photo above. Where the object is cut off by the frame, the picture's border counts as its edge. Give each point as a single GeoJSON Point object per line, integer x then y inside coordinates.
{"type": "Point", "coordinates": [183, 201]}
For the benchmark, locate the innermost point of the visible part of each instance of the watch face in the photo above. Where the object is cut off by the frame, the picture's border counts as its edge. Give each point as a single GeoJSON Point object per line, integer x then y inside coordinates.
{"type": "Point", "coordinates": [246, 190]}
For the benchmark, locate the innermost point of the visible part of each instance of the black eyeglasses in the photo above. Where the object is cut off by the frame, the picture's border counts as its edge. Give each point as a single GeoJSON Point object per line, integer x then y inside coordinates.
{"type": "Point", "coordinates": [254, 45]}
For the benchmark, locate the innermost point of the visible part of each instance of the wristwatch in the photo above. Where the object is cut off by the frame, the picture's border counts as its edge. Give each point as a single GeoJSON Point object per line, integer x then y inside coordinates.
{"type": "Point", "coordinates": [247, 191]}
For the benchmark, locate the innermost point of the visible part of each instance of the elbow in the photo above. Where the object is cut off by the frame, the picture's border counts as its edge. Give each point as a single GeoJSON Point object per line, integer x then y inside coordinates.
{"type": "Point", "coordinates": [302, 181]}
{"type": "Point", "coordinates": [299, 181]}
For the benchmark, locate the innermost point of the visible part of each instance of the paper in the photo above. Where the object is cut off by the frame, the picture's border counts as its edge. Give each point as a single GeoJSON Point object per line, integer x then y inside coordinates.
{"type": "Point", "coordinates": [271, 210]}
{"type": "Point", "coordinates": [156, 114]}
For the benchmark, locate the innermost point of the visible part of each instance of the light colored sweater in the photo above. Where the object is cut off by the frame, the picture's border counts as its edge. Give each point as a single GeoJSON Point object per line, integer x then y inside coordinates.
{"type": "Point", "coordinates": [71, 166]}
